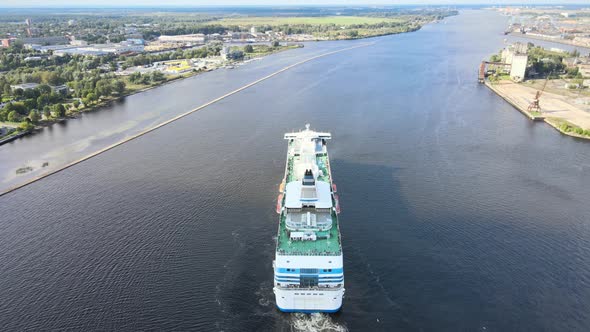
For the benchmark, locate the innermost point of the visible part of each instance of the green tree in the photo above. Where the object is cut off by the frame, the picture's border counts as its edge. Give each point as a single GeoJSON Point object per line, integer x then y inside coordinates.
{"type": "Point", "coordinates": [275, 43]}
{"type": "Point", "coordinates": [30, 104]}
{"type": "Point", "coordinates": [13, 116]}
{"type": "Point", "coordinates": [34, 116]}
{"type": "Point", "coordinates": [119, 87]}
{"type": "Point", "coordinates": [236, 55]}
{"type": "Point", "coordinates": [47, 112]}
{"type": "Point", "coordinates": [248, 49]}
{"type": "Point", "coordinates": [31, 93]}
{"type": "Point", "coordinates": [59, 110]}
{"type": "Point", "coordinates": [158, 76]}
{"type": "Point", "coordinates": [353, 33]}
{"type": "Point", "coordinates": [76, 103]}
{"type": "Point", "coordinates": [44, 89]}
{"type": "Point", "coordinates": [496, 58]}
{"type": "Point", "coordinates": [26, 126]}
{"type": "Point", "coordinates": [103, 88]}
{"type": "Point", "coordinates": [145, 79]}
{"type": "Point", "coordinates": [42, 100]}
{"type": "Point", "coordinates": [135, 77]}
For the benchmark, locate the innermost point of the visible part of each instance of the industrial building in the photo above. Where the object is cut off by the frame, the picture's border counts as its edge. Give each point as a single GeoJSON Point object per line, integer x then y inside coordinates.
{"type": "Point", "coordinates": [101, 49]}
{"type": "Point", "coordinates": [516, 56]}
{"type": "Point", "coordinates": [197, 38]}
{"type": "Point", "coordinates": [29, 86]}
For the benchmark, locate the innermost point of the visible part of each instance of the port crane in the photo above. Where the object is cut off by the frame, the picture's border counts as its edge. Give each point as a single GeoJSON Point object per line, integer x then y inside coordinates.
{"type": "Point", "coordinates": [534, 105]}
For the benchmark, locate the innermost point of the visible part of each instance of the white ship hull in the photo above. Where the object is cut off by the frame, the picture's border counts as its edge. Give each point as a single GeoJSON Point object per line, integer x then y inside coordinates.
{"type": "Point", "coordinates": [318, 288]}
{"type": "Point", "coordinates": [309, 300]}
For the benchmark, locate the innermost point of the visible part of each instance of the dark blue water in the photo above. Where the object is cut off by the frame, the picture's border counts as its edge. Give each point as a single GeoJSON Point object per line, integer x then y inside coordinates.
{"type": "Point", "coordinates": [458, 213]}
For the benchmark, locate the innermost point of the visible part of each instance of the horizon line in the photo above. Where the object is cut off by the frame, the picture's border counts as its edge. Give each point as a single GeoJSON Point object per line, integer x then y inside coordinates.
{"type": "Point", "coordinates": [363, 5]}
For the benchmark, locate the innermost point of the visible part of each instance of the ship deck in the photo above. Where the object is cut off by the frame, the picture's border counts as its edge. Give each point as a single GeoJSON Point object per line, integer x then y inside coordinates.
{"type": "Point", "coordinates": [322, 162]}
{"type": "Point", "coordinates": [320, 247]}
{"type": "Point", "coordinates": [327, 247]}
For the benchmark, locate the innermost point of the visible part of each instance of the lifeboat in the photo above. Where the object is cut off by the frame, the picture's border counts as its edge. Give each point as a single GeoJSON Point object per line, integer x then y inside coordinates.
{"type": "Point", "coordinates": [337, 200]}
{"type": "Point", "coordinates": [279, 203]}
{"type": "Point", "coordinates": [282, 187]}
{"type": "Point", "coordinates": [334, 188]}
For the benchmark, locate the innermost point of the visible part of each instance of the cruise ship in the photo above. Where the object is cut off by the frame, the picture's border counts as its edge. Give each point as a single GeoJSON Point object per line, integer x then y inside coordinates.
{"type": "Point", "coordinates": [308, 270]}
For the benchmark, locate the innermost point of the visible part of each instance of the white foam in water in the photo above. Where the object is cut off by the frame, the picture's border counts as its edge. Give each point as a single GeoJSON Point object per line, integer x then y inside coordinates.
{"type": "Point", "coordinates": [316, 322]}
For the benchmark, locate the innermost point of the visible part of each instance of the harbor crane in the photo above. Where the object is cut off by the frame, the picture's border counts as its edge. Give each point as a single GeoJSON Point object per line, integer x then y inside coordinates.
{"type": "Point", "coordinates": [534, 105]}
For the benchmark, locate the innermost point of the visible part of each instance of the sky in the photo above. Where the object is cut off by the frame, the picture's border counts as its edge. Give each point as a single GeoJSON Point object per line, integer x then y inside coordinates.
{"type": "Point", "coordinates": [194, 3]}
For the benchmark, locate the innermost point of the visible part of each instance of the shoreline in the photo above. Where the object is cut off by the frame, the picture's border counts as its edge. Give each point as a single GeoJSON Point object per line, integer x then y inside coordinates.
{"type": "Point", "coordinates": [107, 101]}
{"type": "Point", "coordinates": [46, 123]}
{"type": "Point", "coordinates": [144, 132]}
{"type": "Point", "coordinates": [553, 122]}
{"type": "Point", "coordinates": [556, 41]}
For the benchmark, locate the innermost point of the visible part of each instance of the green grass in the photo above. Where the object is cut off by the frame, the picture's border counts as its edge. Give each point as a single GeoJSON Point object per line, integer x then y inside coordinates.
{"type": "Point", "coordinates": [324, 20]}
{"type": "Point", "coordinates": [262, 50]}
{"type": "Point", "coordinates": [535, 113]}
{"type": "Point", "coordinates": [568, 127]}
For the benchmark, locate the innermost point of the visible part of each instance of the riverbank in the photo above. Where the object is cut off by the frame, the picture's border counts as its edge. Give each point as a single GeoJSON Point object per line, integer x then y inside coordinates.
{"type": "Point", "coordinates": [75, 162]}
{"type": "Point", "coordinates": [138, 88]}
{"type": "Point", "coordinates": [552, 40]}
{"type": "Point", "coordinates": [556, 111]}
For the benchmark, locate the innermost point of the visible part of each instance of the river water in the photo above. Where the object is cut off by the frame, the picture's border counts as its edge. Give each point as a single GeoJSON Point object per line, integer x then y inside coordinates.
{"type": "Point", "coordinates": [457, 212]}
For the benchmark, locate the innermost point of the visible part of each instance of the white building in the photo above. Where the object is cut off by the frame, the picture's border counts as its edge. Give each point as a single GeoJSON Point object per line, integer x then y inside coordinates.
{"type": "Point", "coordinates": [509, 52]}
{"type": "Point", "coordinates": [518, 67]}
{"type": "Point", "coordinates": [197, 38]}
{"type": "Point", "coordinates": [78, 42]}
{"type": "Point", "coordinates": [516, 56]}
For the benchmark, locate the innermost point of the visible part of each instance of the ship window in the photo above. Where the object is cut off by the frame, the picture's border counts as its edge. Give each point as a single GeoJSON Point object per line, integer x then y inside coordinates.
{"type": "Point", "coordinates": [308, 281]}
{"type": "Point", "coordinates": [329, 270]}
{"type": "Point", "coordinates": [309, 270]}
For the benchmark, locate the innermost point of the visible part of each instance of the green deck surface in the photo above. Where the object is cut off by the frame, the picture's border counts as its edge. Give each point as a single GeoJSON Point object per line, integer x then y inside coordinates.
{"type": "Point", "coordinates": [328, 247]}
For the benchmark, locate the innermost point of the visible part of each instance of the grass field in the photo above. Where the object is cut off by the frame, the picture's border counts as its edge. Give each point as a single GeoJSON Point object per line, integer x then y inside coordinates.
{"type": "Point", "coordinates": [323, 20]}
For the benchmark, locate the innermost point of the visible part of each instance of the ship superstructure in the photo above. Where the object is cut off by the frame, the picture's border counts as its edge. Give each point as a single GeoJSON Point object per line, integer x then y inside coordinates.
{"type": "Point", "coordinates": [308, 269]}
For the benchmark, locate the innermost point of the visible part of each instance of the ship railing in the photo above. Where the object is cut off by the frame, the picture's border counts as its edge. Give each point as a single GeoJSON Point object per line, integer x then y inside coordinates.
{"type": "Point", "coordinates": [323, 288]}
{"type": "Point", "coordinates": [308, 253]}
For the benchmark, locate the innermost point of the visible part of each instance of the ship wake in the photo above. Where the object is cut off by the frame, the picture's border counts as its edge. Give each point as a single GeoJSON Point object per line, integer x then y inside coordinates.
{"type": "Point", "coordinates": [315, 322]}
